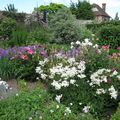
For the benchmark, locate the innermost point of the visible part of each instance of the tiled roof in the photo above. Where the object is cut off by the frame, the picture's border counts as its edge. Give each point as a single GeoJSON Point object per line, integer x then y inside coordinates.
{"type": "Point", "coordinates": [100, 11]}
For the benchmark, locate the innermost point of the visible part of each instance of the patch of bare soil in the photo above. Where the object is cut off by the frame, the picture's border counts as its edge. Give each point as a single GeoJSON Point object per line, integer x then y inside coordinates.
{"type": "Point", "coordinates": [15, 87]}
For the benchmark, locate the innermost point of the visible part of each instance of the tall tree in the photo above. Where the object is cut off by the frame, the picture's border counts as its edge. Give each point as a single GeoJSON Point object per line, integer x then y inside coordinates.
{"type": "Point", "coordinates": [116, 16]}
{"type": "Point", "coordinates": [82, 10]}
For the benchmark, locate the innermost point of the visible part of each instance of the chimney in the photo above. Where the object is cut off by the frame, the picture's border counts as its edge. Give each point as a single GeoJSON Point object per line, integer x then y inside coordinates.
{"type": "Point", "coordinates": [104, 6]}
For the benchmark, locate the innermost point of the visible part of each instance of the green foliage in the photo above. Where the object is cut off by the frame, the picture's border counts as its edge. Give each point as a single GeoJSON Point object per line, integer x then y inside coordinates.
{"type": "Point", "coordinates": [52, 8]}
{"type": "Point", "coordinates": [82, 91]}
{"type": "Point", "coordinates": [17, 68]}
{"type": "Point", "coordinates": [6, 27]}
{"type": "Point", "coordinates": [57, 47]}
{"type": "Point", "coordinates": [85, 33]}
{"type": "Point", "coordinates": [25, 69]}
{"type": "Point", "coordinates": [82, 10]}
{"type": "Point", "coordinates": [25, 105]}
{"type": "Point", "coordinates": [109, 35]}
{"type": "Point", "coordinates": [22, 85]}
{"type": "Point", "coordinates": [116, 116]}
{"type": "Point", "coordinates": [60, 115]}
{"type": "Point", "coordinates": [40, 35]}
{"type": "Point", "coordinates": [18, 37]}
{"type": "Point", "coordinates": [11, 8]}
{"type": "Point", "coordinates": [94, 27]}
{"type": "Point", "coordinates": [7, 69]}
{"type": "Point", "coordinates": [35, 104]}
{"type": "Point", "coordinates": [63, 27]}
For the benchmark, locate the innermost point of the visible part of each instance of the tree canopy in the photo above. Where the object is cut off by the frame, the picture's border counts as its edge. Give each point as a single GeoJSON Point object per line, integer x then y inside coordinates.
{"type": "Point", "coordinates": [82, 10]}
{"type": "Point", "coordinates": [52, 8]}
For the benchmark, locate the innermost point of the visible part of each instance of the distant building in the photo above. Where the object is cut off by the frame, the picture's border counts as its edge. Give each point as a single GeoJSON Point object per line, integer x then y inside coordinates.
{"type": "Point", "coordinates": [100, 13]}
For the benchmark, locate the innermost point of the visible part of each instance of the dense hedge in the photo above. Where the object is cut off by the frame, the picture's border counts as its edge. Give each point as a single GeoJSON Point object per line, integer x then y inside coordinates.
{"type": "Point", "coordinates": [109, 35]}
{"type": "Point", "coordinates": [95, 26]}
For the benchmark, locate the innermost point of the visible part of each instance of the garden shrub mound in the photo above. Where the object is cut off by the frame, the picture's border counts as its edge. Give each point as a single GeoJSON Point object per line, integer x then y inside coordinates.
{"type": "Point", "coordinates": [35, 105]}
{"type": "Point", "coordinates": [65, 29]}
{"type": "Point", "coordinates": [109, 35]}
{"type": "Point", "coordinates": [38, 35]}
{"type": "Point", "coordinates": [86, 79]}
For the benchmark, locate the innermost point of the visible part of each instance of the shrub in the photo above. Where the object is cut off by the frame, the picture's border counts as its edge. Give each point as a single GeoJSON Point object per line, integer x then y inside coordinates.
{"type": "Point", "coordinates": [18, 37]}
{"type": "Point", "coordinates": [109, 35]}
{"type": "Point", "coordinates": [40, 35]}
{"type": "Point", "coordinates": [94, 27]}
{"type": "Point", "coordinates": [63, 28]}
{"type": "Point", "coordinates": [6, 27]}
{"type": "Point", "coordinates": [85, 33]}
{"type": "Point", "coordinates": [7, 69]}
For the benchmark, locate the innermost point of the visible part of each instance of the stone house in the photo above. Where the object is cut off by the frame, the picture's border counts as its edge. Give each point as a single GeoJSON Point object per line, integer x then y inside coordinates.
{"type": "Point", "coordinates": [100, 13]}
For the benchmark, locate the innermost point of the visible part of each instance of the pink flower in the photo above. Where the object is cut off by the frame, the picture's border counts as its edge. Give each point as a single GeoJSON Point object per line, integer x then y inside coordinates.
{"type": "Point", "coordinates": [105, 47]}
{"type": "Point", "coordinates": [30, 52]}
{"type": "Point", "coordinates": [118, 48]}
{"type": "Point", "coordinates": [42, 53]}
{"type": "Point", "coordinates": [24, 57]}
{"type": "Point", "coordinates": [113, 69]}
{"type": "Point", "coordinates": [114, 54]}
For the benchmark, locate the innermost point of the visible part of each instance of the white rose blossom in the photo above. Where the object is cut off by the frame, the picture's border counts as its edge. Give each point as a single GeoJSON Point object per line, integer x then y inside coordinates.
{"type": "Point", "coordinates": [113, 92]}
{"type": "Point", "coordinates": [58, 98]}
{"type": "Point", "coordinates": [86, 109]}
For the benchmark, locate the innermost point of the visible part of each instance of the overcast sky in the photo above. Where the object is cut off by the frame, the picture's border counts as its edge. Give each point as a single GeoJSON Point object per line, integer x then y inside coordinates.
{"type": "Point", "coordinates": [112, 6]}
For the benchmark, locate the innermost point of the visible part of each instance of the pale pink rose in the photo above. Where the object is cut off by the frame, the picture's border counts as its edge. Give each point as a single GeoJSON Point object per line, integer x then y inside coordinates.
{"type": "Point", "coordinates": [24, 57]}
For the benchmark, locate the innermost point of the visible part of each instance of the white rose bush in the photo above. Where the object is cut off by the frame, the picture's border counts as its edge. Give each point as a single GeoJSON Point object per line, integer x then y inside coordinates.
{"type": "Point", "coordinates": [84, 79]}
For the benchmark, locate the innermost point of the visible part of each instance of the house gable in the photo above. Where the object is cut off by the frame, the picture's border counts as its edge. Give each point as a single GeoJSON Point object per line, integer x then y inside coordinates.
{"type": "Point", "coordinates": [100, 13]}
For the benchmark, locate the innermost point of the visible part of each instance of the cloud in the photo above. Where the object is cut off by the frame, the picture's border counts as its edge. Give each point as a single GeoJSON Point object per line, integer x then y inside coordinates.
{"type": "Point", "coordinates": [109, 3]}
